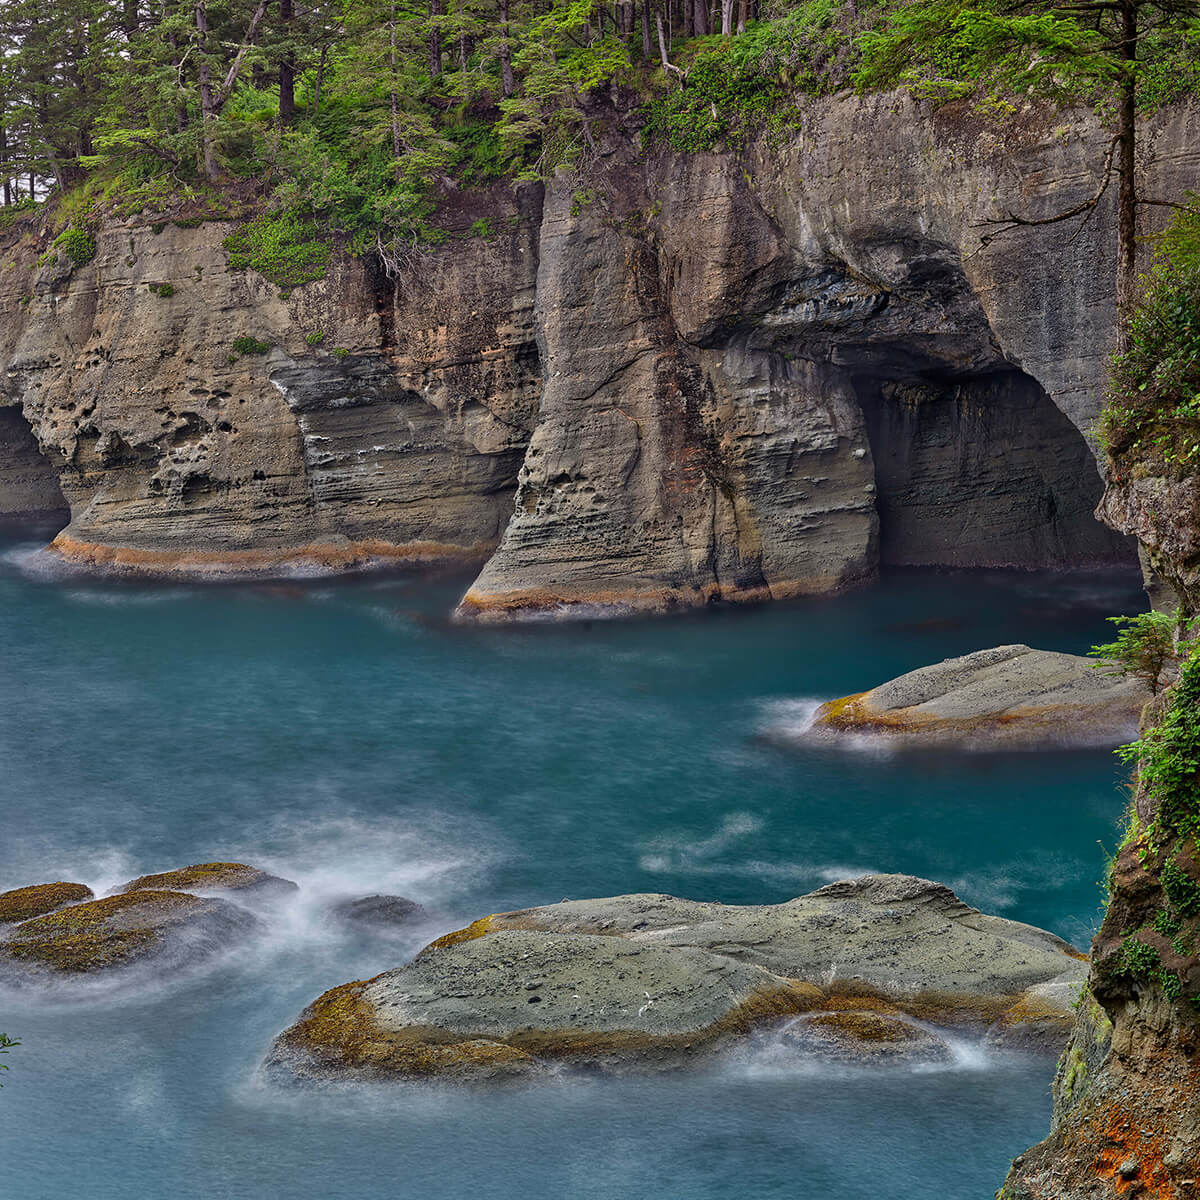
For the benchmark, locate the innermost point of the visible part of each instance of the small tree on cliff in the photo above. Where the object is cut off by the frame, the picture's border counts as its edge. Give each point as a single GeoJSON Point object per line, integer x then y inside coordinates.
{"type": "Point", "coordinates": [1115, 54]}
{"type": "Point", "coordinates": [5, 1044]}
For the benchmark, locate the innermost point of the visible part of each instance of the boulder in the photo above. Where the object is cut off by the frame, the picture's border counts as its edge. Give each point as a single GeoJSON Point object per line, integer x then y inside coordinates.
{"type": "Point", "coordinates": [1007, 696]}
{"type": "Point", "coordinates": [654, 978]}
{"type": "Point", "coordinates": [381, 912]}
{"type": "Point", "coordinates": [23, 903]}
{"type": "Point", "coordinates": [214, 877]}
{"type": "Point", "coordinates": [117, 931]}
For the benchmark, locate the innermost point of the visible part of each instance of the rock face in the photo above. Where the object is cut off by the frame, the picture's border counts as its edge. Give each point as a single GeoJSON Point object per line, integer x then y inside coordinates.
{"type": "Point", "coordinates": [169, 928]}
{"type": "Point", "coordinates": [705, 377]}
{"type": "Point", "coordinates": [214, 877]}
{"type": "Point", "coordinates": [653, 978]}
{"type": "Point", "coordinates": [1012, 695]}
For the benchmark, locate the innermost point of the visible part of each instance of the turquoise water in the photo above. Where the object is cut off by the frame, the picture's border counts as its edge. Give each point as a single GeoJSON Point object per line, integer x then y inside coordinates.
{"type": "Point", "coordinates": [347, 736]}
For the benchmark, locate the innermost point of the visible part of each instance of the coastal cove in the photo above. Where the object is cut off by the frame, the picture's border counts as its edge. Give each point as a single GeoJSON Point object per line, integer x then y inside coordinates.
{"type": "Point", "coordinates": [348, 736]}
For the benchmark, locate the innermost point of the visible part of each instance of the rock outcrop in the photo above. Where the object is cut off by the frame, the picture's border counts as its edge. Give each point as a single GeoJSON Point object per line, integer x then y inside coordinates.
{"type": "Point", "coordinates": [381, 912]}
{"type": "Point", "coordinates": [1008, 696]}
{"type": "Point", "coordinates": [100, 936]}
{"type": "Point", "coordinates": [21, 904]}
{"type": "Point", "coordinates": [700, 377]}
{"type": "Point", "coordinates": [214, 877]}
{"type": "Point", "coordinates": [653, 979]}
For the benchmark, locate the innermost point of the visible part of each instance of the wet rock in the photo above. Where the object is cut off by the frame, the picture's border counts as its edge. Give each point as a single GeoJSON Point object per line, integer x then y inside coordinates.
{"type": "Point", "coordinates": [1007, 696]}
{"type": "Point", "coordinates": [117, 931]}
{"type": "Point", "coordinates": [21, 904]}
{"type": "Point", "coordinates": [214, 877]}
{"type": "Point", "coordinates": [861, 1036]}
{"type": "Point", "coordinates": [390, 912]}
{"type": "Point", "coordinates": [653, 979]}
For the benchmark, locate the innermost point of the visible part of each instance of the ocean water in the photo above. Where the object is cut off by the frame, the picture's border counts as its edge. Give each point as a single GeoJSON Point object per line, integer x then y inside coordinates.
{"type": "Point", "coordinates": [347, 736]}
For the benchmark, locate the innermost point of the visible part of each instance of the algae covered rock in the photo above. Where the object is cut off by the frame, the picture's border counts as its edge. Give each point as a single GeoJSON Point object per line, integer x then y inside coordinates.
{"type": "Point", "coordinates": [214, 877]}
{"type": "Point", "coordinates": [653, 979]}
{"type": "Point", "coordinates": [1007, 696]}
{"type": "Point", "coordinates": [118, 931]}
{"type": "Point", "coordinates": [21, 904]}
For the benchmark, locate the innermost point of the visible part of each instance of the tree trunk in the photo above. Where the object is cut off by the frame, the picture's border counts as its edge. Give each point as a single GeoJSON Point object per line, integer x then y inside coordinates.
{"type": "Point", "coordinates": [647, 47]}
{"type": "Point", "coordinates": [287, 66]}
{"type": "Point", "coordinates": [4, 165]}
{"type": "Point", "coordinates": [506, 71]}
{"type": "Point", "coordinates": [743, 15]}
{"type": "Point", "coordinates": [207, 102]}
{"type": "Point", "coordinates": [700, 18]}
{"type": "Point", "coordinates": [320, 80]}
{"type": "Point", "coordinates": [726, 17]}
{"type": "Point", "coordinates": [435, 39]}
{"type": "Point", "coordinates": [1126, 179]}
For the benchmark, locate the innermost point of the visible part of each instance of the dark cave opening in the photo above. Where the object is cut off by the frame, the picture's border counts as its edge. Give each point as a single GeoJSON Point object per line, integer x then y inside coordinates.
{"type": "Point", "coordinates": [30, 499]}
{"type": "Point", "coordinates": [982, 471]}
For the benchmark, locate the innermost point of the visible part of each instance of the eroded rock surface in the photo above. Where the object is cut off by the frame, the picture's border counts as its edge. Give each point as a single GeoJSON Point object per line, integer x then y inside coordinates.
{"type": "Point", "coordinates": [381, 912]}
{"type": "Point", "coordinates": [652, 978]}
{"type": "Point", "coordinates": [1010, 695]}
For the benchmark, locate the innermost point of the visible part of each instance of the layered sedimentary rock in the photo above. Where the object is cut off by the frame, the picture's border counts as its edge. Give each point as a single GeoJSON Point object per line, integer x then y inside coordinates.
{"type": "Point", "coordinates": [652, 978]}
{"type": "Point", "coordinates": [1009, 696]}
{"type": "Point", "coordinates": [731, 376]}
{"type": "Point", "coordinates": [369, 420]}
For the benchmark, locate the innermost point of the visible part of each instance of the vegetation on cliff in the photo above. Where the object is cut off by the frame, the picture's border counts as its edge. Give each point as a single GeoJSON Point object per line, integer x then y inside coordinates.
{"type": "Point", "coordinates": [350, 117]}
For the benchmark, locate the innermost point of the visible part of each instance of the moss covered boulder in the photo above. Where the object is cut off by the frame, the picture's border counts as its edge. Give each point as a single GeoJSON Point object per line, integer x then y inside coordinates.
{"type": "Point", "coordinates": [23, 903]}
{"type": "Point", "coordinates": [174, 928]}
{"type": "Point", "coordinates": [214, 877]}
{"type": "Point", "coordinates": [653, 979]}
{"type": "Point", "coordinates": [1010, 696]}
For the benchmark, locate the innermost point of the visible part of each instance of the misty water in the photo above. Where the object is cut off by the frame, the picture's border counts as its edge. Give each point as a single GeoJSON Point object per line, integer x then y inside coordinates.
{"type": "Point", "coordinates": [346, 736]}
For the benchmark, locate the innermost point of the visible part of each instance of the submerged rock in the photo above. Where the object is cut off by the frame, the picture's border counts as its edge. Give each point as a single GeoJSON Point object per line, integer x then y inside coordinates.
{"type": "Point", "coordinates": [214, 877]}
{"type": "Point", "coordinates": [117, 931]}
{"type": "Point", "coordinates": [862, 1036]}
{"type": "Point", "coordinates": [1010, 695]}
{"type": "Point", "coordinates": [381, 911]}
{"type": "Point", "coordinates": [654, 978]}
{"type": "Point", "coordinates": [21, 904]}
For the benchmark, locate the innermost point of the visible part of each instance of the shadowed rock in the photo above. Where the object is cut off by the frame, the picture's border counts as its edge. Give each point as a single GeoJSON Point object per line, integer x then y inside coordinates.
{"type": "Point", "coordinates": [389, 912]}
{"type": "Point", "coordinates": [654, 978]}
{"type": "Point", "coordinates": [1010, 695]}
{"type": "Point", "coordinates": [23, 903]}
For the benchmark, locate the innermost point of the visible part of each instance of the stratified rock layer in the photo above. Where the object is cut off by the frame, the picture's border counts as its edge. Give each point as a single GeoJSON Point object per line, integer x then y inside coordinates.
{"type": "Point", "coordinates": [1011, 695]}
{"type": "Point", "coordinates": [651, 978]}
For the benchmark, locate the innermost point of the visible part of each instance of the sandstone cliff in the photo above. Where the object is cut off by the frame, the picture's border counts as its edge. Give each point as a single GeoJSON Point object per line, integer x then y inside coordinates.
{"type": "Point", "coordinates": [686, 378]}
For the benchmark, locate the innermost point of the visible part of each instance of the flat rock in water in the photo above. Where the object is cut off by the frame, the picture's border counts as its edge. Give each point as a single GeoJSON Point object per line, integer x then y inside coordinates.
{"type": "Point", "coordinates": [23, 903]}
{"type": "Point", "coordinates": [214, 877]}
{"type": "Point", "coordinates": [862, 1036]}
{"type": "Point", "coordinates": [172, 928]}
{"type": "Point", "coordinates": [1010, 695]}
{"type": "Point", "coordinates": [652, 977]}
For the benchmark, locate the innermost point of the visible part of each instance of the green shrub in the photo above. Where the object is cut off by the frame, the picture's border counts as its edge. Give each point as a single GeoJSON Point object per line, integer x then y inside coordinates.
{"type": "Point", "coordinates": [281, 247]}
{"type": "Point", "coordinates": [1152, 414]}
{"type": "Point", "coordinates": [1145, 648]}
{"type": "Point", "coordinates": [77, 244]}
{"type": "Point", "coordinates": [250, 345]}
{"type": "Point", "coordinates": [340, 352]}
{"type": "Point", "coordinates": [162, 290]}
{"type": "Point", "coordinates": [315, 339]}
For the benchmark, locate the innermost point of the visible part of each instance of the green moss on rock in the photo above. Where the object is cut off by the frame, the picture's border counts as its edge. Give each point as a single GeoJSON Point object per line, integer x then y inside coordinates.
{"type": "Point", "coordinates": [211, 877]}
{"type": "Point", "coordinates": [22, 904]}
